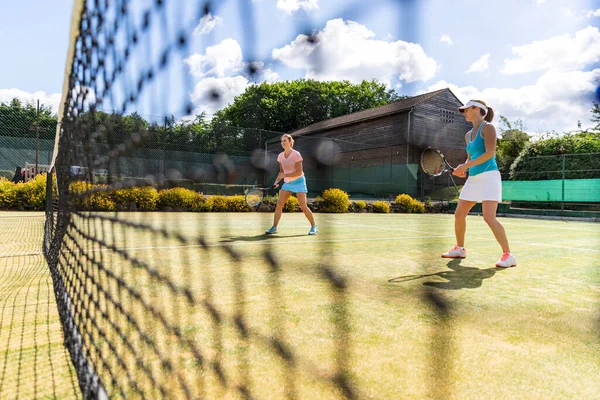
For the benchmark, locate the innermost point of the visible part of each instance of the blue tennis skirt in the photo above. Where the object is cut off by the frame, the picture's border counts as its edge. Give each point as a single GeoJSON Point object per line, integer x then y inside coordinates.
{"type": "Point", "coordinates": [296, 186]}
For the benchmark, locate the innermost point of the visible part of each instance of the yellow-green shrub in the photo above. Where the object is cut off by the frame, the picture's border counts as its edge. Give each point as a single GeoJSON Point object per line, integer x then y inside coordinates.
{"type": "Point", "coordinates": [8, 195]}
{"type": "Point", "coordinates": [360, 205]}
{"type": "Point", "coordinates": [31, 195]}
{"type": "Point", "coordinates": [176, 198]}
{"type": "Point", "coordinates": [144, 198]}
{"type": "Point", "coordinates": [291, 204]}
{"type": "Point", "coordinates": [381, 207]}
{"type": "Point", "coordinates": [98, 200]}
{"type": "Point", "coordinates": [237, 203]}
{"type": "Point", "coordinates": [199, 203]}
{"type": "Point", "coordinates": [410, 205]}
{"type": "Point", "coordinates": [217, 203]}
{"type": "Point", "coordinates": [404, 200]}
{"type": "Point", "coordinates": [417, 207]}
{"type": "Point", "coordinates": [336, 201]}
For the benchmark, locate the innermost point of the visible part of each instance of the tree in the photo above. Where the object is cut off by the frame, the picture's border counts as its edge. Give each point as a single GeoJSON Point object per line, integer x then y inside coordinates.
{"type": "Point", "coordinates": [511, 143]}
{"type": "Point", "coordinates": [595, 117]}
{"type": "Point", "coordinates": [20, 119]}
{"type": "Point", "coordinates": [290, 105]}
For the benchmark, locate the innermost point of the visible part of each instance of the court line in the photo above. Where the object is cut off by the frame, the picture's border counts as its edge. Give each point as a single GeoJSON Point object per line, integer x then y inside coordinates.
{"type": "Point", "coordinates": [548, 245]}
{"type": "Point", "coordinates": [278, 241]}
{"type": "Point", "coordinates": [382, 227]}
{"type": "Point", "coordinates": [504, 222]}
{"type": "Point", "coordinates": [9, 255]}
{"type": "Point", "coordinates": [510, 240]}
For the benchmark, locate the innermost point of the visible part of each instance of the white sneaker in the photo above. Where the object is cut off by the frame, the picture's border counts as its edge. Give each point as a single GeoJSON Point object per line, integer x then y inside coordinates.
{"type": "Point", "coordinates": [507, 261]}
{"type": "Point", "coordinates": [455, 252]}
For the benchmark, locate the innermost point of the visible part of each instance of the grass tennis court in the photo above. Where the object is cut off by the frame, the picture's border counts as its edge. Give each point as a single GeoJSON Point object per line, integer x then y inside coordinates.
{"type": "Point", "coordinates": [34, 363]}
{"type": "Point", "coordinates": [526, 332]}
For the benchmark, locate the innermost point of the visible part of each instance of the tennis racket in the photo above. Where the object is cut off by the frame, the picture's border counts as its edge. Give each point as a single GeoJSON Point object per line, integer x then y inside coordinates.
{"type": "Point", "coordinates": [254, 197]}
{"type": "Point", "coordinates": [434, 163]}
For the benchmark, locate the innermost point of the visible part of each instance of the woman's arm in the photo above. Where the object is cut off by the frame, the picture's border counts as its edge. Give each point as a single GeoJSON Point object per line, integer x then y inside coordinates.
{"type": "Point", "coordinates": [459, 172]}
{"type": "Point", "coordinates": [280, 176]}
{"type": "Point", "coordinates": [297, 172]}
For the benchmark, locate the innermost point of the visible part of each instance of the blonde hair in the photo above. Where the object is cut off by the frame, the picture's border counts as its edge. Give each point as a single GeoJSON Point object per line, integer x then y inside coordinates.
{"type": "Point", "coordinates": [290, 138]}
{"type": "Point", "coordinates": [490, 112]}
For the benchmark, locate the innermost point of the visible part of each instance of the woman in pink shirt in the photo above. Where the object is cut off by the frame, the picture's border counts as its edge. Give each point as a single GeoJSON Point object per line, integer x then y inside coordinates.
{"type": "Point", "coordinates": [290, 169]}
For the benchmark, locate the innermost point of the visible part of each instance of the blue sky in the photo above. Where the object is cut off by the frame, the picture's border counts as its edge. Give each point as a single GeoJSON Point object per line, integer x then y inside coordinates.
{"type": "Point", "coordinates": [537, 60]}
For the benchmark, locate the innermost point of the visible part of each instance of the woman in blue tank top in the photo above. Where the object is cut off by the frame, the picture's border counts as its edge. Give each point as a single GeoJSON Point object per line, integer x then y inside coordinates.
{"type": "Point", "coordinates": [484, 184]}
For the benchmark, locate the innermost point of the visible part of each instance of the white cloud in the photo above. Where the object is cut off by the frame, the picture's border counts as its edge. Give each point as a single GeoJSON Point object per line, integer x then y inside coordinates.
{"type": "Point", "coordinates": [555, 102]}
{"type": "Point", "coordinates": [52, 100]}
{"type": "Point", "coordinates": [446, 39]}
{"type": "Point", "coordinates": [290, 6]}
{"type": "Point", "coordinates": [220, 60]}
{"type": "Point", "coordinates": [212, 94]}
{"type": "Point", "coordinates": [539, 2]}
{"type": "Point", "coordinates": [348, 50]}
{"type": "Point", "coordinates": [588, 14]}
{"type": "Point", "coordinates": [269, 75]}
{"type": "Point", "coordinates": [481, 65]}
{"type": "Point", "coordinates": [207, 24]}
{"type": "Point", "coordinates": [564, 52]}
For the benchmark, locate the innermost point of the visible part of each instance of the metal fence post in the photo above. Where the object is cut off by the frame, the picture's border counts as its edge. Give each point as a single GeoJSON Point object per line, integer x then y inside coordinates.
{"type": "Point", "coordinates": [562, 206]}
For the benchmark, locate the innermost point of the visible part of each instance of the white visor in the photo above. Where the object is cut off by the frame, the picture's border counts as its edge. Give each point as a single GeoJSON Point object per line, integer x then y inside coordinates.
{"type": "Point", "coordinates": [471, 103]}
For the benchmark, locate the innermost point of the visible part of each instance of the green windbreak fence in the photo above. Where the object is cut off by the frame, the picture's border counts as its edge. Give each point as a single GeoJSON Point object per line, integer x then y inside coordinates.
{"type": "Point", "coordinates": [374, 180]}
{"type": "Point", "coordinates": [558, 190]}
{"type": "Point", "coordinates": [16, 151]}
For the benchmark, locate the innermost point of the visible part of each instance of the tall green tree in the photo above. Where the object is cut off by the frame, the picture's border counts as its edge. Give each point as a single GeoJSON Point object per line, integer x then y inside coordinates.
{"type": "Point", "coordinates": [21, 119]}
{"type": "Point", "coordinates": [289, 105]}
{"type": "Point", "coordinates": [595, 117]}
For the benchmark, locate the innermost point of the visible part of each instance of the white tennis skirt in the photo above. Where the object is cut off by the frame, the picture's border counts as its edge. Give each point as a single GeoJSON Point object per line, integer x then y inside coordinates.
{"type": "Point", "coordinates": [486, 186]}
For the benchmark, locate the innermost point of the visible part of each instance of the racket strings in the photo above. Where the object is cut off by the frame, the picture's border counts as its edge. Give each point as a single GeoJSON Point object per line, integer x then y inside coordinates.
{"type": "Point", "coordinates": [432, 162]}
{"type": "Point", "coordinates": [254, 197]}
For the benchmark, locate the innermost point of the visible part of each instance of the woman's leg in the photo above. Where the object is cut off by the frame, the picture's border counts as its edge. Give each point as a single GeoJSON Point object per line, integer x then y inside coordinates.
{"type": "Point", "coordinates": [283, 196]}
{"type": "Point", "coordinates": [305, 209]}
{"type": "Point", "coordinates": [460, 220]}
{"type": "Point", "coordinates": [489, 216]}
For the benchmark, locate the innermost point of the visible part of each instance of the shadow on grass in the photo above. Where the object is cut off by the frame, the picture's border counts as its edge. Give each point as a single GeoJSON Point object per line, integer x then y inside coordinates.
{"type": "Point", "coordinates": [460, 277]}
{"type": "Point", "coordinates": [257, 238]}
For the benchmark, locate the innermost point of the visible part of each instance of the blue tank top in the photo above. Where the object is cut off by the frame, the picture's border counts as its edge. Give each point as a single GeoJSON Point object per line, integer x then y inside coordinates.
{"type": "Point", "coordinates": [475, 149]}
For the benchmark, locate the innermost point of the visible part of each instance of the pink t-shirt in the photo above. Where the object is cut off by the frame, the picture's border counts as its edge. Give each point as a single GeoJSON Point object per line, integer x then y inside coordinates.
{"type": "Point", "coordinates": [289, 164]}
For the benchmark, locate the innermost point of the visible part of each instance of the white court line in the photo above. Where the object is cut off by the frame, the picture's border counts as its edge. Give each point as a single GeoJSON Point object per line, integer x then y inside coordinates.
{"type": "Point", "coordinates": [382, 227]}
{"type": "Point", "coordinates": [510, 241]}
{"type": "Point", "coordinates": [277, 241]}
{"type": "Point", "coordinates": [20, 254]}
{"type": "Point", "coordinates": [570, 228]}
{"type": "Point", "coordinates": [548, 245]}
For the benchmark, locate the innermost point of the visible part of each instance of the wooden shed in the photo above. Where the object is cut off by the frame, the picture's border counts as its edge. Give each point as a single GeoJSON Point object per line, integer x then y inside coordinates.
{"type": "Point", "coordinates": [376, 152]}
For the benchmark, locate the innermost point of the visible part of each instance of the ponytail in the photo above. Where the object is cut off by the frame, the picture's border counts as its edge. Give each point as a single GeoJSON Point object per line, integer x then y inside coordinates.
{"type": "Point", "coordinates": [490, 113]}
{"type": "Point", "coordinates": [489, 116]}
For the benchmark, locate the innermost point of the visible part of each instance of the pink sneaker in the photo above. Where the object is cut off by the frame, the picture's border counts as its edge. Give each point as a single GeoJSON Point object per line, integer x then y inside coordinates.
{"type": "Point", "coordinates": [507, 261]}
{"type": "Point", "coordinates": [455, 252]}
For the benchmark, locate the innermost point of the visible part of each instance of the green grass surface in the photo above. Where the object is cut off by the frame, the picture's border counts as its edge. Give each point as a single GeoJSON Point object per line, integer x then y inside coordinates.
{"type": "Point", "coordinates": [526, 332]}
{"type": "Point", "coordinates": [33, 361]}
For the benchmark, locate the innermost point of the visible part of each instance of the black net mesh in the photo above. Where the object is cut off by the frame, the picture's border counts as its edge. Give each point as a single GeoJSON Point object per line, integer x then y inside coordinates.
{"type": "Point", "coordinates": [160, 305]}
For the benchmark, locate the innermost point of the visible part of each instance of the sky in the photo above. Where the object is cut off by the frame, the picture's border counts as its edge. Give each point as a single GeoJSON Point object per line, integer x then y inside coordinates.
{"type": "Point", "coordinates": [534, 60]}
